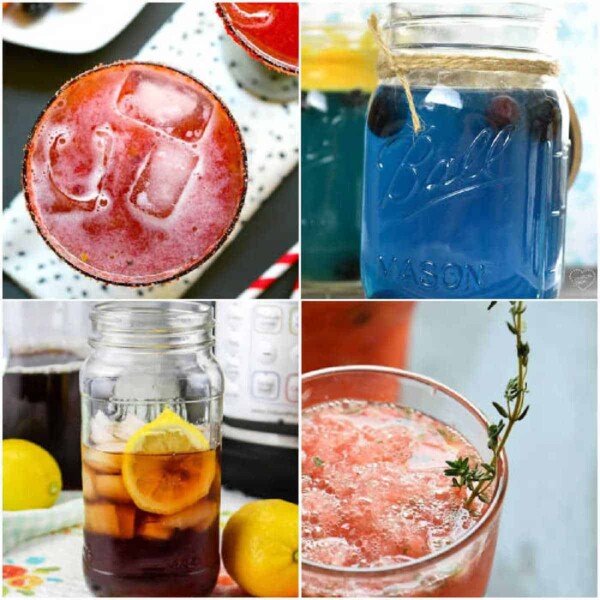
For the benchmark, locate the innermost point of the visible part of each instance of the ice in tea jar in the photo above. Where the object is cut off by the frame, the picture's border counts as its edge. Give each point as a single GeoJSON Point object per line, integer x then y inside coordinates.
{"type": "Point", "coordinates": [338, 76]}
{"type": "Point", "coordinates": [379, 516]}
{"type": "Point", "coordinates": [151, 447]}
{"type": "Point", "coordinates": [467, 153]}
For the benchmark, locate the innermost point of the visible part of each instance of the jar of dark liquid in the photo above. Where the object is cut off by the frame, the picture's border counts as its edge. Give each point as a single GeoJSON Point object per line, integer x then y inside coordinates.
{"type": "Point", "coordinates": [467, 153]}
{"type": "Point", "coordinates": [151, 446]}
{"type": "Point", "coordinates": [41, 402]}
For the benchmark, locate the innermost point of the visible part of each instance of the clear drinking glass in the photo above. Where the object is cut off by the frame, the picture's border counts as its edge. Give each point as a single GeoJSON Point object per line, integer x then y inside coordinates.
{"type": "Point", "coordinates": [460, 569]}
{"type": "Point", "coordinates": [151, 446]}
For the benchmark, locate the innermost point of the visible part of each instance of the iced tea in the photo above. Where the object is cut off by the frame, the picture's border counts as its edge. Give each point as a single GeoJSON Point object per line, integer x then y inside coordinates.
{"type": "Point", "coordinates": [151, 520]}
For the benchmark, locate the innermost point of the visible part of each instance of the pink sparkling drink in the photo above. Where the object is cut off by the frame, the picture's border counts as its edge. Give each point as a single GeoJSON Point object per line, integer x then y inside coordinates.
{"type": "Point", "coordinates": [380, 518]}
{"type": "Point", "coordinates": [135, 173]}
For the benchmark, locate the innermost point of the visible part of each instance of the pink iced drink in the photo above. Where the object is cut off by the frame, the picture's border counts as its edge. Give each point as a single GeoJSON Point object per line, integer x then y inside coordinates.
{"type": "Point", "coordinates": [135, 173]}
{"type": "Point", "coordinates": [374, 493]}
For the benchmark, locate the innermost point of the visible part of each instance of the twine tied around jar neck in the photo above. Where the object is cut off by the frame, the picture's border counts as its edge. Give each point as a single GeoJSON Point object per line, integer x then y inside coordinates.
{"type": "Point", "coordinates": [400, 65]}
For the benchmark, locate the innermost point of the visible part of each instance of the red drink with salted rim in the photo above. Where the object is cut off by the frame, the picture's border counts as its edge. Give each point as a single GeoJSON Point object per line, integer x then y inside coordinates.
{"type": "Point", "coordinates": [135, 173]}
{"type": "Point", "coordinates": [268, 31]}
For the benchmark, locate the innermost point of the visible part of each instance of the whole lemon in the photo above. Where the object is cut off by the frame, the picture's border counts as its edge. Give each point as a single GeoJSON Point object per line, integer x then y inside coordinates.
{"type": "Point", "coordinates": [260, 548]}
{"type": "Point", "coordinates": [30, 476]}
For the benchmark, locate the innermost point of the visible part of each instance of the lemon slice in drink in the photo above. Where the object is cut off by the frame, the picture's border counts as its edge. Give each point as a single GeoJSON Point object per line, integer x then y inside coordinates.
{"type": "Point", "coordinates": [168, 465]}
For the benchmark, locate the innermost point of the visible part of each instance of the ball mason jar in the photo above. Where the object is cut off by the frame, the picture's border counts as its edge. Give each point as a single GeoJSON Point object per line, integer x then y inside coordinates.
{"type": "Point", "coordinates": [459, 569]}
{"type": "Point", "coordinates": [151, 447]}
{"type": "Point", "coordinates": [337, 78]}
{"type": "Point", "coordinates": [465, 197]}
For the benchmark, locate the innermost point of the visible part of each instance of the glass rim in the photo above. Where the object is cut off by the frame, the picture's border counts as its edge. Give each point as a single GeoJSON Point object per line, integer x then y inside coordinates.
{"type": "Point", "coordinates": [513, 10]}
{"type": "Point", "coordinates": [255, 51]}
{"type": "Point", "coordinates": [473, 533]}
{"type": "Point", "coordinates": [198, 314]}
{"type": "Point", "coordinates": [56, 246]}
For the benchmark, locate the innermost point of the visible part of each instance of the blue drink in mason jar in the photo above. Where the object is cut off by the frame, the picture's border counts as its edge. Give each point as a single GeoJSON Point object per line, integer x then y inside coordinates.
{"type": "Point", "coordinates": [466, 198]}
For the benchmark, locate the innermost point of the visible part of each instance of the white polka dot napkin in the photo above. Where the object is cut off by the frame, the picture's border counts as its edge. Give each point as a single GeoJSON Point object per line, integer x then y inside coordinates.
{"type": "Point", "coordinates": [191, 40]}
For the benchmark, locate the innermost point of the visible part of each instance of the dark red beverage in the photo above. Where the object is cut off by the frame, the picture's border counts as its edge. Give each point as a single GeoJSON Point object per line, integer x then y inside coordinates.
{"type": "Point", "coordinates": [42, 405]}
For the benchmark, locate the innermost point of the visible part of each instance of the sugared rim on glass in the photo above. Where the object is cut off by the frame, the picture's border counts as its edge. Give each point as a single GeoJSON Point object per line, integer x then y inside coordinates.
{"type": "Point", "coordinates": [253, 49]}
{"type": "Point", "coordinates": [472, 533]}
{"type": "Point", "coordinates": [38, 221]}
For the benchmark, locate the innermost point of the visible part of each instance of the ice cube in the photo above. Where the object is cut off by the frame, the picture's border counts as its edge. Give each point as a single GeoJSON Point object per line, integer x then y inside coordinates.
{"type": "Point", "coordinates": [102, 459]}
{"type": "Point", "coordinates": [88, 484]}
{"type": "Point", "coordinates": [165, 104]}
{"type": "Point", "coordinates": [146, 387]}
{"type": "Point", "coordinates": [109, 519]}
{"type": "Point", "coordinates": [154, 530]}
{"type": "Point", "coordinates": [77, 170]}
{"type": "Point", "coordinates": [162, 179]}
{"type": "Point", "coordinates": [199, 516]}
{"type": "Point", "coordinates": [126, 428]}
{"type": "Point", "coordinates": [112, 488]}
{"type": "Point", "coordinates": [101, 429]}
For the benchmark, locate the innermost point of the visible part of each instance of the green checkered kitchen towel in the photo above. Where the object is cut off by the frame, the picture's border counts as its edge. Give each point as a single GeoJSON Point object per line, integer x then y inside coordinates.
{"type": "Point", "coordinates": [21, 525]}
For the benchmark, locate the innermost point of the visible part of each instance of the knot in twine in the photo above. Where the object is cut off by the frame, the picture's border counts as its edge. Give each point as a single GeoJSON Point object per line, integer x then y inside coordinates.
{"type": "Point", "coordinates": [400, 65]}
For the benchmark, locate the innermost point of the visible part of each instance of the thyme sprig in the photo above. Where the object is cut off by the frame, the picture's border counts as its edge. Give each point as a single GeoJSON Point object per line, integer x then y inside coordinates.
{"type": "Point", "coordinates": [479, 479]}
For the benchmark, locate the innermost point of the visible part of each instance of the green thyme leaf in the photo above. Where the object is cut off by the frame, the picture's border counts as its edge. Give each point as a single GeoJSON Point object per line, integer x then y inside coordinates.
{"type": "Point", "coordinates": [479, 477]}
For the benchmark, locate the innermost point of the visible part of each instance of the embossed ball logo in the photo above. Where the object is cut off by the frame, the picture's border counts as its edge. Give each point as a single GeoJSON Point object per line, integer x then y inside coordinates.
{"type": "Point", "coordinates": [425, 177]}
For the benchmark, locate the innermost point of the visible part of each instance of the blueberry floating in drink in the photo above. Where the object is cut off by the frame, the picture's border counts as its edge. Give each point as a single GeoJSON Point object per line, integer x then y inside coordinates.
{"type": "Point", "coordinates": [387, 112]}
{"type": "Point", "coordinates": [502, 111]}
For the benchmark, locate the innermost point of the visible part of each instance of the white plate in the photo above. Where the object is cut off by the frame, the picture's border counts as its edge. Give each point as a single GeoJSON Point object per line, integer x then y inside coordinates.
{"type": "Point", "coordinates": [70, 28]}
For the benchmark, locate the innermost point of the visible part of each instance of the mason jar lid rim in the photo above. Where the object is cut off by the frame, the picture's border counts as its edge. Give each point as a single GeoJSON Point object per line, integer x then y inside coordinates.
{"type": "Point", "coordinates": [107, 313]}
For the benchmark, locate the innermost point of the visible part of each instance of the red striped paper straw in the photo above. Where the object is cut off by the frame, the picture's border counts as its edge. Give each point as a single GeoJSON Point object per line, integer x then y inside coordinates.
{"type": "Point", "coordinates": [272, 274]}
{"type": "Point", "coordinates": [296, 293]}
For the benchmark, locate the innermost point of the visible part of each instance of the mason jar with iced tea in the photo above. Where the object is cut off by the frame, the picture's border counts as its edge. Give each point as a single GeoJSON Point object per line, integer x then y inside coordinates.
{"type": "Point", "coordinates": [151, 447]}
